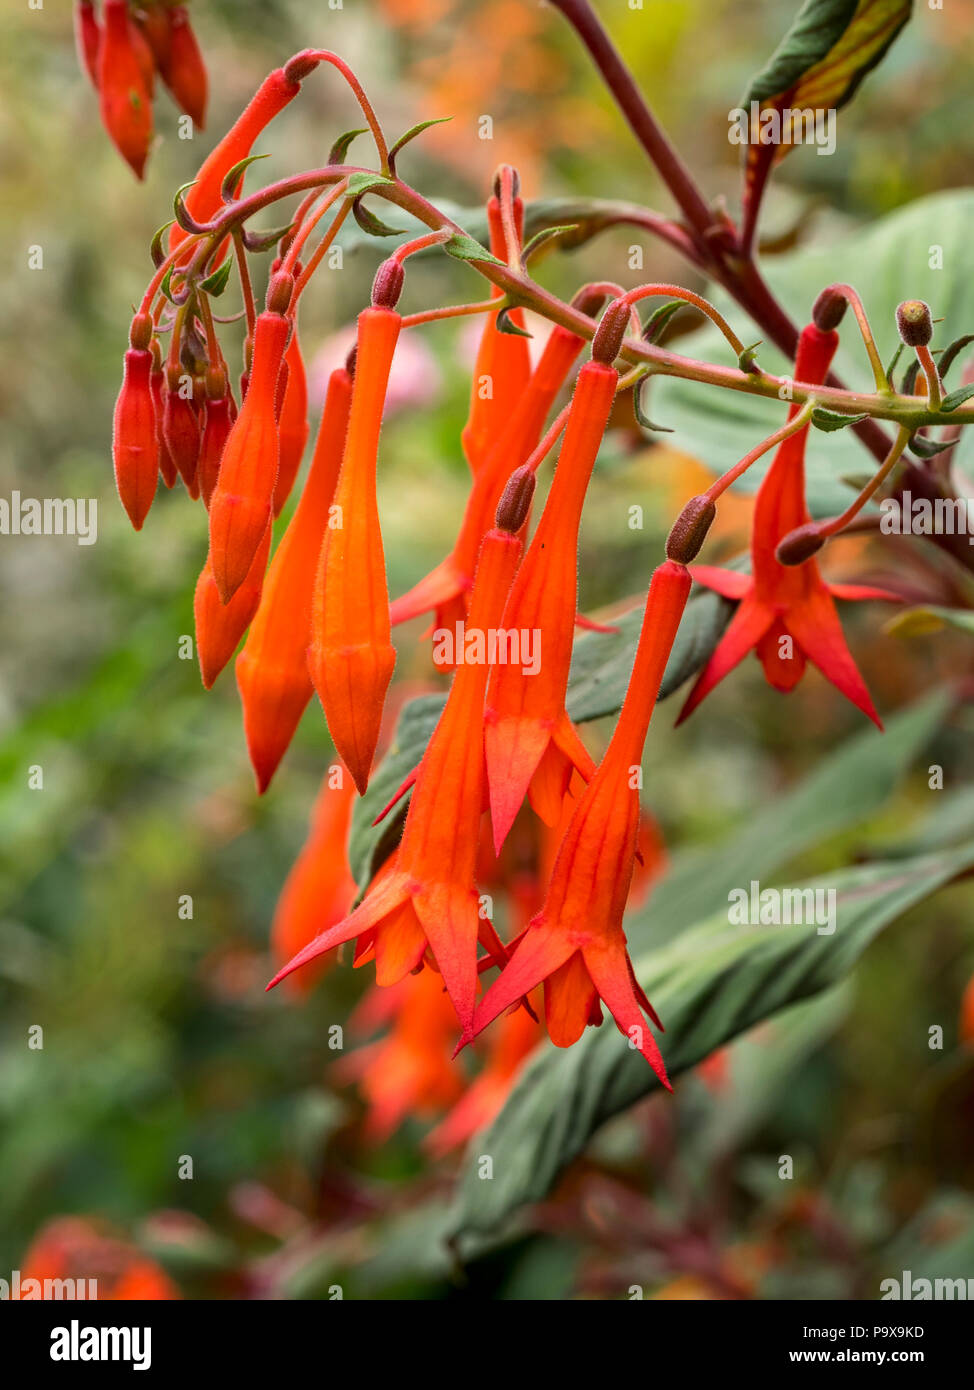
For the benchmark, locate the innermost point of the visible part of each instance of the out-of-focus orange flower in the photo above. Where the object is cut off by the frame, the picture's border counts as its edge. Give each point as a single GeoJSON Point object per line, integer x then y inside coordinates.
{"type": "Point", "coordinates": [78, 1248]}
{"type": "Point", "coordinates": [409, 1072]}
{"type": "Point", "coordinates": [320, 889]}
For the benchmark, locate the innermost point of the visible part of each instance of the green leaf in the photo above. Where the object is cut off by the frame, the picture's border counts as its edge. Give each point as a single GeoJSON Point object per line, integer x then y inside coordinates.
{"type": "Point", "coordinates": [710, 986]}
{"type": "Point", "coordinates": [338, 151]}
{"type": "Point", "coordinates": [829, 420]}
{"type": "Point", "coordinates": [359, 184]}
{"type": "Point", "coordinates": [747, 360]}
{"type": "Point", "coordinates": [155, 246]}
{"type": "Point", "coordinates": [215, 284]}
{"type": "Point", "coordinates": [640, 412]}
{"type": "Point", "coordinates": [956, 398]}
{"type": "Point", "coordinates": [828, 50]}
{"type": "Point", "coordinates": [719, 427]}
{"type": "Point", "coordinates": [660, 317]}
{"type": "Point", "coordinates": [845, 788]}
{"type": "Point", "coordinates": [464, 248]}
{"type": "Point", "coordinates": [918, 622]}
{"type": "Point", "coordinates": [370, 224]}
{"type": "Point", "coordinates": [411, 134]}
{"type": "Point", "coordinates": [505, 324]}
{"type": "Point", "coordinates": [925, 448]}
{"type": "Point", "coordinates": [543, 237]}
{"type": "Point", "coordinates": [228, 188]}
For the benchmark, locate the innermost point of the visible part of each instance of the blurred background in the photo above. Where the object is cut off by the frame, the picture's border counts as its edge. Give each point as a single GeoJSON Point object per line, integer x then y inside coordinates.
{"type": "Point", "coordinates": [158, 1040]}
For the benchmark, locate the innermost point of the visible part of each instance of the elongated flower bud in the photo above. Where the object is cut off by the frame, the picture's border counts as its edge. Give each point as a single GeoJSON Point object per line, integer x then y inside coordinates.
{"type": "Point", "coordinates": [351, 656]}
{"type": "Point", "coordinates": [144, 54]}
{"type": "Point", "coordinates": [240, 507]}
{"type": "Point", "coordinates": [292, 422]}
{"type": "Point", "coordinates": [126, 110]}
{"type": "Point", "coordinates": [157, 383]}
{"type": "Point", "coordinates": [219, 625]}
{"type": "Point", "coordinates": [272, 670]}
{"type": "Point", "coordinates": [185, 73]}
{"type": "Point", "coordinates": [204, 199]}
{"type": "Point", "coordinates": [690, 529]}
{"type": "Point", "coordinates": [181, 428]}
{"type": "Point", "coordinates": [218, 421]}
{"type": "Point", "coordinates": [800, 544]}
{"type": "Point", "coordinates": [135, 448]}
{"type": "Point", "coordinates": [87, 35]}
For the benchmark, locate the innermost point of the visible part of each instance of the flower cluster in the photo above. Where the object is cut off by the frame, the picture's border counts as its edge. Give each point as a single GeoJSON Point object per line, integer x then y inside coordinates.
{"type": "Point", "coordinates": [318, 617]}
{"type": "Point", "coordinates": [122, 50]}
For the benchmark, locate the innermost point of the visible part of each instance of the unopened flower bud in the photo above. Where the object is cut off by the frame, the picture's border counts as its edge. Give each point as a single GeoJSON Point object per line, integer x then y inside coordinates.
{"type": "Point", "coordinates": [279, 293]}
{"type": "Point", "coordinates": [515, 181]}
{"type": "Point", "coordinates": [829, 309]}
{"type": "Point", "coordinates": [607, 343]}
{"type": "Point", "coordinates": [387, 285]}
{"type": "Point", "coordinates": [140, 333]}
{"type": "Point", "coordinates": [914, 322]}
{"type": "Point", "coordinates": [515, 503]}
{"type": "Point", "coordinates": [800, 545]}
{"type": "Point", "coordinates": [296, 69]}
{"type": "Point", "coordinates": [589, 300]}
{"type": "Point", "coordinates": [690, 529]}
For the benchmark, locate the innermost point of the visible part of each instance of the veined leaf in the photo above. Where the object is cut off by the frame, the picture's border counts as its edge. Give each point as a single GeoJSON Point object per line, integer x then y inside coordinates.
{"type": "Point", "coordinates": [709, 986]}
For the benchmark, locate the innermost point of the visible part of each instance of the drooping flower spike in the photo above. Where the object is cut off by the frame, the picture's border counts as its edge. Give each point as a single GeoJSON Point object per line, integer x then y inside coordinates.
{"type": "Point", "coordinates": [576, 944]}
{"type": "Point", "coordinates": [786, 613]}
{"type": "Point", "coordinates": [532, 746]}
{"type": "Point", "coordinates": [272, 670]}
{"type": "Point", "coordinates": [424, 907]}
{"type": "Point", "coordinates": [446, 588]}
{"type": "Point", "coordinates": [122, 55]}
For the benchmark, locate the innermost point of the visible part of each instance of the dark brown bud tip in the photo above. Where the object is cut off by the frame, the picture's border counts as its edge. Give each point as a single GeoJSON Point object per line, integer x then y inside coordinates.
{"type": "Point", "coordinates": [690, 529]}
{"type": "Point", "coordinates": [279, 293]}
{"type": "Point", "coordinates": [140, 333]}
{"type": "Point", "coordinates": [589, 300]}
{"type": "Point", "coordinates": [387, 285]}
{"type": "Point", "coordinates": [515, 181]}
{"type": "Point", "coordinates": [351, 361]}
{"type": "Point", "coordinates": [216, 383]}
{"type": "Point", "coordinates": [515, 503]}
{"type": "Point", "coordinates": [829, 309]}
{"type": "Point", "coordinates": [914, 322]}
{"type": "Point", "coordinates": [607, 343]}
{"type": "Point", "coordinates": [800, 545]}
{"type": "Point", "coordinates": [296, 69]}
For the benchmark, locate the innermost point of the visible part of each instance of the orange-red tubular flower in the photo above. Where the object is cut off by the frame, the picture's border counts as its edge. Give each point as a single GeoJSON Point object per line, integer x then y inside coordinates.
{"type": "Point", "coordinates": [180, 428]}
{"type": "Point", "coordinates": [218, 421]}
{"type": "Point", "coordinates": [184, 71]}
{"type": "Point", "coordinates": [531, 744]}
{"type": "Point", "coordinates": [425, 904]}
{"type": "Point", "coordinates": [240, 507]}
{"type": "Point", "coordinates": [126, 109]}
{"type": "Point", "coordinates": [787, 613]}
{"type": "Point", "coordinates": [319, 889]}
{"type": "Point", "coordinates": [446, 588]}
{"type": "Point", "coordinates": [203, 201]}
{"type": "Point", "coordinates": [272, 670]}
{"type": "Point", "coordinates": [351, 656]}
{"type": "Point", "coordinates": [219, 625]}
{"type": "Point", "coordinates": [503, 363]}
{"type": "Point", "coordinates": [576, 943]}
{"type": "Point", "coordinates": [293, 422]}
{"type": "Point", "coordinates": [135, 445]}
{"type": "Point", "coordinates": [87, 36]}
